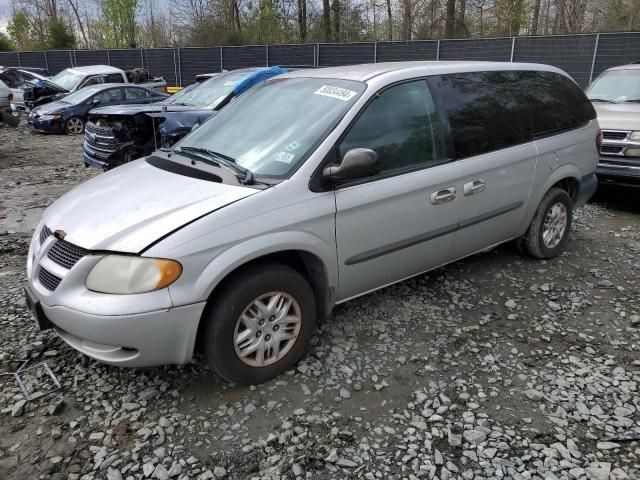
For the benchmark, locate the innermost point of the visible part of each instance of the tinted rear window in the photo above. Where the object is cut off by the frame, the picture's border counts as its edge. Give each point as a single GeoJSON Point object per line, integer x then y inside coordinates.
{"type": "Point", "coordinates": [557, 103]}
{"type": "Point", "coordinates": [487, 111]}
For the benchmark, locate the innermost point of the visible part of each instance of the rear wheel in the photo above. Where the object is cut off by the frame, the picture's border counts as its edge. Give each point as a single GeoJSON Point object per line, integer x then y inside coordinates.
{"type": "Point", "coordinates": [260, 324]}
{"type": "Point", "coordinates": [74, 126]}
{"type": "Point", "coordinates": [548, 232]}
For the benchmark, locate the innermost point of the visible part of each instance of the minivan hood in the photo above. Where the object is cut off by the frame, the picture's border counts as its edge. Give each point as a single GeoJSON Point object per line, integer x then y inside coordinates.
{"type": "Point", "coordinates": [618, 116]}
{"type": "Point", "coordinates": [128, 208]}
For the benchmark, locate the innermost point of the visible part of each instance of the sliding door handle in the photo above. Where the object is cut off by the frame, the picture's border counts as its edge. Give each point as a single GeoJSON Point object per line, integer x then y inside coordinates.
{"type": "Point", "coordinates": [443, 196]}
{"type": "Point", "coordinates": [475, 186]}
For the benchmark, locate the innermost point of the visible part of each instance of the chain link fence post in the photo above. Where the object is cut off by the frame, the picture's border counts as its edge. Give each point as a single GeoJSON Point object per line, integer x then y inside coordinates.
{"type": "Point", "coordinates": [438, 51]}
{"type": "Point", "coordinates": [513, 47]}
{"type": "Point", "coordinates": [46, 62]}
{"type": "Point", "coordinates": [221, 60]}
{"type": "Point", "coordinates": [375, 52]}
{"type": "Point", "coordinates": [595, 54]}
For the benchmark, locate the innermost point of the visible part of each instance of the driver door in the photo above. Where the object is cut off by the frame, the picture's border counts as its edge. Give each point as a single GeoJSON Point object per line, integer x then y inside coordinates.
{"type": "Point", "coordinates": [403, 221]}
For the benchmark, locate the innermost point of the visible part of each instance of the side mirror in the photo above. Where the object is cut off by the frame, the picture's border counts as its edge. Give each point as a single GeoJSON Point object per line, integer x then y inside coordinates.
{"type": "Point", "coordinates": [95, 101]}
{"type": "Point", "coordinates": [357, 163]}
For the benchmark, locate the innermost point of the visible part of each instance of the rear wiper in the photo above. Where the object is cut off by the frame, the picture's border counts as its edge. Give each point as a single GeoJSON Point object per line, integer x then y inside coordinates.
{"type": "Point", "coordinates": [601, 100]}
{"type": "Point", "coordinates": [221, 159]}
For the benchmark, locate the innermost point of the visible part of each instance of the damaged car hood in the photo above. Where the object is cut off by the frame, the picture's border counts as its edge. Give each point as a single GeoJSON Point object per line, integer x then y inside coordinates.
{"type": "Point", "coordinates": [155, 108]}
{"type": "Point", "coordinates": [130, 207]}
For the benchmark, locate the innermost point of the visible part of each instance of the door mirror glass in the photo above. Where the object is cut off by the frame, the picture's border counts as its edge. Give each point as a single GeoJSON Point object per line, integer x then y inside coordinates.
{"type": "Point", "coordinates": [356, 163]}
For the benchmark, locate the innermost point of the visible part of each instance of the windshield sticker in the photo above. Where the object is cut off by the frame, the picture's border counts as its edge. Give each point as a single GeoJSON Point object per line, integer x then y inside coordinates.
{"type": "Point", "coordinates": [284, 157]}
{"type": "Point", "coordinates": [343, 94]}
{"type": "Point", "coordinates": [293, 146]}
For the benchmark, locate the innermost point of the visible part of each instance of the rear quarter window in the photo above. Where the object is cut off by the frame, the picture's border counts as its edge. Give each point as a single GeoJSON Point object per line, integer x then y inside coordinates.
{"type": "Point", "coordinates": [487, 111]}
{"type": "Point", "coordinates": [556, 102]}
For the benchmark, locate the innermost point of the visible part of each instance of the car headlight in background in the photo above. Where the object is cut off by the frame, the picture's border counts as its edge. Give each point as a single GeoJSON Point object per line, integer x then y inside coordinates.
{"type": "Point", "coordinates": [635, 136]}
{"type": "Point", "coordinates": [50, 117]}
{"type": "Point", "coordinates": [127, 274]}
{"type": "Point", "coordinates": [632, 152]}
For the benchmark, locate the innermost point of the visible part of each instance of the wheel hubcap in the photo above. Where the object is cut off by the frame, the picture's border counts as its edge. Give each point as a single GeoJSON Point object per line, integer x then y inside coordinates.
{"type": "Point", "coordinates": [75, 125]}
{"type": "Point", "coordinates": [555, 225]}
{"type": "Point", "coordinates": [267, 329]}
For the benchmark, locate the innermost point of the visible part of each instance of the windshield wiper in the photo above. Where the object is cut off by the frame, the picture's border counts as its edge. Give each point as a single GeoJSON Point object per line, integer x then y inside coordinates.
{"type": "Point", "coordinates": [601, 100]}
{"type": "Point", "coordinates": [221, 159]}
{"type": "Point", "coordinates": [632, 100]}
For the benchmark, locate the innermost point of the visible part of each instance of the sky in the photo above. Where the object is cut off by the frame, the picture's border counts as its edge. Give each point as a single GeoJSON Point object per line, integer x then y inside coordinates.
{"type": "Point", "coordinates": [5, 8]}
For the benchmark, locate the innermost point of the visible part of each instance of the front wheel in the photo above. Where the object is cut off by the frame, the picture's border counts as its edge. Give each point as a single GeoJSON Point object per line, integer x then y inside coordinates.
{"type": "Point", "coordinates": [74, 126]}
{"type": "Point", "coordinates": [259, 324]}
{"type": "Point", "coordinates": [548, 232]}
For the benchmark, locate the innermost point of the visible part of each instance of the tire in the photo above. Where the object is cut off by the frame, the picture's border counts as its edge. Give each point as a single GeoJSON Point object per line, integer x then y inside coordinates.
{"type": "Point", "coordinates": [546, 237]}
{"type": "Point", "coordinates": [223, 326]}
{"type": "Point", "coordinates": [74, 126]}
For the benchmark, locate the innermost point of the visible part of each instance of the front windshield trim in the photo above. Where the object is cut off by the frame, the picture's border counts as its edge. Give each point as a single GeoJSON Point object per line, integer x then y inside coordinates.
{"type": "Point", "coordinates": [275, 179]}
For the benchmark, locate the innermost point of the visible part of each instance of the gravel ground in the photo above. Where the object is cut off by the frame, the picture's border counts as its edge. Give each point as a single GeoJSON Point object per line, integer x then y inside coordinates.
{"type": "Point", "coordinates": [498, 366]}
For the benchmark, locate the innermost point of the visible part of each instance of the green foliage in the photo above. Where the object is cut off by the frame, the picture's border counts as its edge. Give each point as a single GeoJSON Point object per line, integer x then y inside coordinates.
{"type": "Point", "coordinates": [119, 24]}
{"type": "Point", "coordinates": [60, 36]}
{"type": "Point", "coordinates": [5, 43]}
{"type": "Point", "coordinates": [19, 30]}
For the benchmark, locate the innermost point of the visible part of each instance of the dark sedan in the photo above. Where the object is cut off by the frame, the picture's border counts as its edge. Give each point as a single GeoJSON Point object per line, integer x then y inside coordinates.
{"type": "Point", "coordinates": [69, 114]}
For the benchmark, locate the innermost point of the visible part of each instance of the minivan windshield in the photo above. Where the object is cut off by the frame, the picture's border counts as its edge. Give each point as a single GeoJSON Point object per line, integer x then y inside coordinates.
{"type": "Point", "coordinates": [616, 86]}
{"type": "Point", "coordinates": [274, 127]}
{"type": "Point", "coordinates": [67, 79]}
{"type": "Point", "coordinates": [211, 92]}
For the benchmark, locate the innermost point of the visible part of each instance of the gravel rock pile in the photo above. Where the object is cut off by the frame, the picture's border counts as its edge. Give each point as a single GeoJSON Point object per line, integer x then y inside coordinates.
{"type": "Point", "coordinates": [498, 366]}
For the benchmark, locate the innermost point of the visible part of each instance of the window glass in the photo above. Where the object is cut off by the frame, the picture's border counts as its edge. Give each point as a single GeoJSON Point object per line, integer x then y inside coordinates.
{"type": "Point", "coordinates": [616, 86]}
{"type": "Point", "coordinates": [556, 102]}
{"type": "Point", "coordinates": [135, 93]}
{"type": "Point", "coordinates": [93, 81]}
{"type": "Point", "coordinates": [110, 95]}
{"type": "Point", "coordinates": [114, 78]}
{"type": "Point", "coordinates": [401, 126]}
{"type": "Point", "coordinates": [487, 111]}
{"type": "Point", "coordinates": [275, 126]}
{"type": "Point", "coordinates": [67, 79]}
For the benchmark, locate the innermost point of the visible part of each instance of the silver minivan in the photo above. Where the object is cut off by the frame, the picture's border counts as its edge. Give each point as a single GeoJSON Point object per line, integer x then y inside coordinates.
{"type": "Point", "coordinates": [315, 188]}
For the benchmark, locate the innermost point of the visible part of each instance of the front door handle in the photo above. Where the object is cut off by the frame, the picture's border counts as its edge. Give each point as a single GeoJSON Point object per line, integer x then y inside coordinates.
{"type": "Point", "coordinates": [443, 196]}
{"type": "Point", "coordinates": [475, 186]}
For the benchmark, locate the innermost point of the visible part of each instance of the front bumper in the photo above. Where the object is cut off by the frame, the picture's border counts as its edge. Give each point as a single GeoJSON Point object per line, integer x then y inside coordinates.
{"type": "Point", "coordinates": [139, 340]}
{"type": "Point", "coordinates": [93, 161]}
{"type": "Point", "coordinates": [46, 126]}
{"type": "Point", "coordinates": [618, 172]}
{"type": "Point", "coordinates": [140, 330]}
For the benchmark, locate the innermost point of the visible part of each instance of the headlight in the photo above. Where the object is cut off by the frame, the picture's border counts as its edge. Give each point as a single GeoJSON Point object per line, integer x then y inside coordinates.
{"type": "Point", "coordinates": [632, 152]}
{"type": "Point", "coordinates": [50, 117]}
{"type": "Point", "coordinates": [125, 274]}
{"type": "Point", "coordinates": [635, 136]}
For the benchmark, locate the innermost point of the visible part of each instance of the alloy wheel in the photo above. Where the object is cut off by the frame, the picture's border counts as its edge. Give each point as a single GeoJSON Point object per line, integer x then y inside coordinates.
{"type": "Point", "coordinates": [555, 225]}
{"type": "Point", "coordinates": [267, 329]}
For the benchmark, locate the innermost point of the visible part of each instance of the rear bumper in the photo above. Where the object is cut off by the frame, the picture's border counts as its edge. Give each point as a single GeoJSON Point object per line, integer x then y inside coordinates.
{"type": "Point", "coordinates": [618, 173]}
{"type": "Point", "coordinates": [588, 186]}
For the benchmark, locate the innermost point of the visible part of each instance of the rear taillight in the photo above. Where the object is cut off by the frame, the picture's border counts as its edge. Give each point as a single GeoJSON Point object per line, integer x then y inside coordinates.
{"type": "Point", "coordinates": [599, 140]}
{"type": "Point", "coordinates": [10, 97]}
{"type": "Point", "coordinates": [165, 88]}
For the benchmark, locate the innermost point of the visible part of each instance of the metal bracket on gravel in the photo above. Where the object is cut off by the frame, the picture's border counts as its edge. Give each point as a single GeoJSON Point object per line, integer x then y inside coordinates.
{"type": "Point", "coordinates": [18, 376]}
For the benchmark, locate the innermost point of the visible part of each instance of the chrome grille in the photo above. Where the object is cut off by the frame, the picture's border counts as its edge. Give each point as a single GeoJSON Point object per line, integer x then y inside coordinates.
{"type": "Point", "coordinates": [611, 150]}
{"type": "Point", "coordinates": [48, 279]}
{"type": "Point", "coordinates": [614, 135]}
{"type": "Point", "coordinates": [100, 138]}
{"type": "Point", "coordinates": [44, 234]}
{"type": "Point", "coordinates": [66, 254]}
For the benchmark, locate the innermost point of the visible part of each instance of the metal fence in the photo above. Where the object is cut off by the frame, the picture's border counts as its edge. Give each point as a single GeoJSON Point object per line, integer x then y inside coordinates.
{"type": "Point", "coordinates": [583, 56]}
